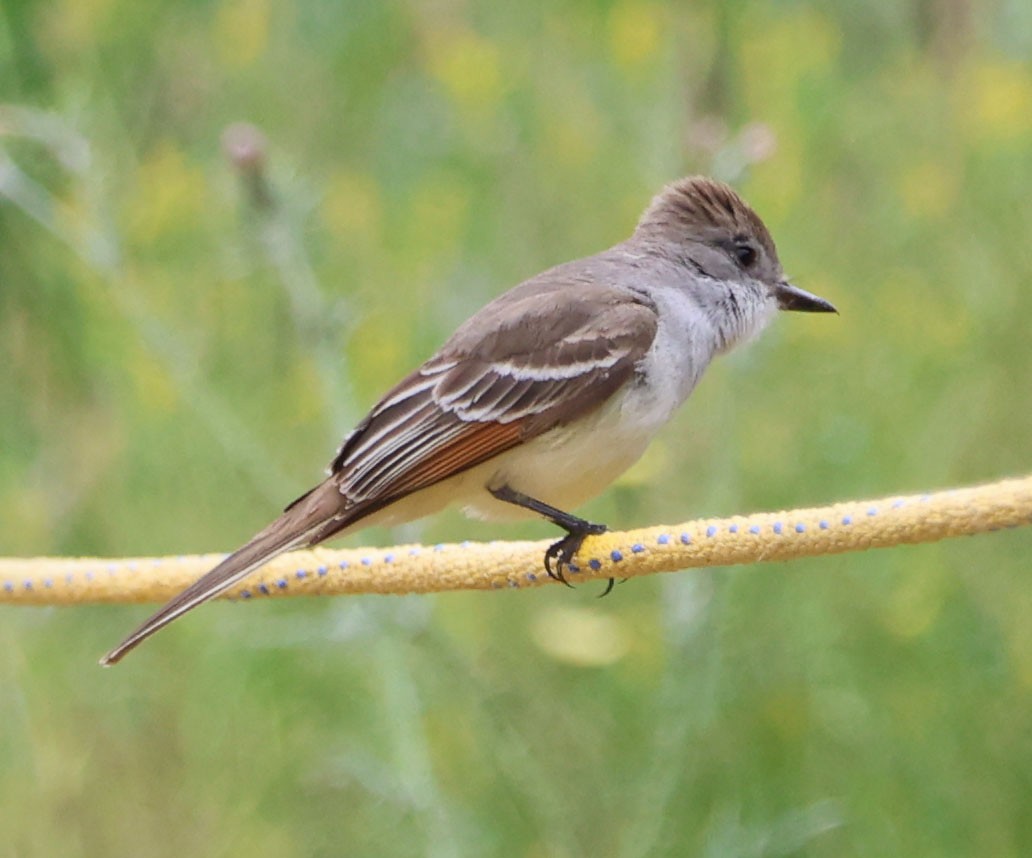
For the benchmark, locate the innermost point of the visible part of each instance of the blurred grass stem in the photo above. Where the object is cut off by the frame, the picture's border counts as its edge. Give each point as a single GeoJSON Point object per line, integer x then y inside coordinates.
{"type": "Point", "coordinates": [99, 249]}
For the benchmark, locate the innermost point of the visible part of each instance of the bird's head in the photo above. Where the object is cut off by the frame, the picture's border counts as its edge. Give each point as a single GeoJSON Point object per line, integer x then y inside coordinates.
{"type": "Point", "coordinates": [714, 232]}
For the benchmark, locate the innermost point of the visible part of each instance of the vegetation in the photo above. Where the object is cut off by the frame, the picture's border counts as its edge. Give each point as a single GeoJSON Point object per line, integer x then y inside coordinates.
{"type": "Point", "coordinates": [183, 348]}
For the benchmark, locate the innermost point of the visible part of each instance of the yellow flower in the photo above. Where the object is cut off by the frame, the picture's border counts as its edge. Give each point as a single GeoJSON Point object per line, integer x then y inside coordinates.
{"type": "Point", "coordinates": [468, 66]}
{"type": "Point", "coordinates": [242, 31]}
{"type": "Point", "coordinates": [634, 29]}
{"type": "Point", "coordinates": [994, 101]}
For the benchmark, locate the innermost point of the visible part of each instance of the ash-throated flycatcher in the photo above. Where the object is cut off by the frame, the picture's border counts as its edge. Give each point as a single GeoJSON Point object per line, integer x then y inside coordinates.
{"type": "Point", "coordinates": [545, 396]}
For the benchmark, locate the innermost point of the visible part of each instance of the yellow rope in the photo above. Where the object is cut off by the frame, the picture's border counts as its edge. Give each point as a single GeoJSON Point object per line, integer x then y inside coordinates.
{"type": "Point", "coordinates": [852, 526]}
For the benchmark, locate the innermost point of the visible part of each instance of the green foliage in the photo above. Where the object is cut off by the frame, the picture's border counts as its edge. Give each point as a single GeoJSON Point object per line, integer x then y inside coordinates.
{"type": "Point", "coordinates": [180, 357]}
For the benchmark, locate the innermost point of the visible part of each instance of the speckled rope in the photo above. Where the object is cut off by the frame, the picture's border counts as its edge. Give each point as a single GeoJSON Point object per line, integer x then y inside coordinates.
{"type": "Point", "coordinates": [852, 526]}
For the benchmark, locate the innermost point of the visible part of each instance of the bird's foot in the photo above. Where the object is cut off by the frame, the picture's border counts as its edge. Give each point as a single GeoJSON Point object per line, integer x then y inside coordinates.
{"type": "Point", "coordinates": [559, 555]}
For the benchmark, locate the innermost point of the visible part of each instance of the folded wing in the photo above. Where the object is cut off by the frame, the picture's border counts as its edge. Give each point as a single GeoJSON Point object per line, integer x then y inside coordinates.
{"type": "Point", "coordinates": [549, 360]}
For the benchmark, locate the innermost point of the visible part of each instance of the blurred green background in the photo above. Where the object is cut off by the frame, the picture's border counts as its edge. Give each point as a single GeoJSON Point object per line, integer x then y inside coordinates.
{"type": "Point", "coordinates": [178, 362]}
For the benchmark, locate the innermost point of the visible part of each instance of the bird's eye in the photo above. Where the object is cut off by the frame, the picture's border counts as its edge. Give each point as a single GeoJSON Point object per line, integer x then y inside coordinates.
{"type": "Point", "coordinates": [745, 254]}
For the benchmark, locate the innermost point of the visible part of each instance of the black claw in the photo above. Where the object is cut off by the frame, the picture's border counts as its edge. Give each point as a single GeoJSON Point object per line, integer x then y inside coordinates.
{"type": "Point", "coordinates": [557, 555]}
{"type": "Point", "coordinates": [609, 586]}
{"type": "Point", "coordinates": [561, 553]}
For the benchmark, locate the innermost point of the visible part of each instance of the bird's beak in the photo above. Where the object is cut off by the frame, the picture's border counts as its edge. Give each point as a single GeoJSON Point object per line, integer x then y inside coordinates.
{"type": "Point", "coordinates": [793, 298]}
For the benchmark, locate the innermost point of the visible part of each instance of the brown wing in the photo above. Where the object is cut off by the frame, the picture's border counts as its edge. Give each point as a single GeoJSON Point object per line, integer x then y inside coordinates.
{"type": "Point", "coordinates": [551, 356]}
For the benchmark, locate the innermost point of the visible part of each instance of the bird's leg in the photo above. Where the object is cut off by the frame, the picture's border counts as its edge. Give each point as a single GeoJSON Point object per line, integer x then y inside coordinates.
{"type": "Point", "coordinates": [561, 553]}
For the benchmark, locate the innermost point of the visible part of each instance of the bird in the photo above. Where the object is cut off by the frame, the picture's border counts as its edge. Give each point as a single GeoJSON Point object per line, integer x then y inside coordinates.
{"type": "Point", "coordinates": [544, 396]}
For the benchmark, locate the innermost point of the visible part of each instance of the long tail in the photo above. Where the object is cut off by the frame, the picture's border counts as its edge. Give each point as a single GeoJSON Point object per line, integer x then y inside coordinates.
{"type": "Point", "coordinates": [300, 525]}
